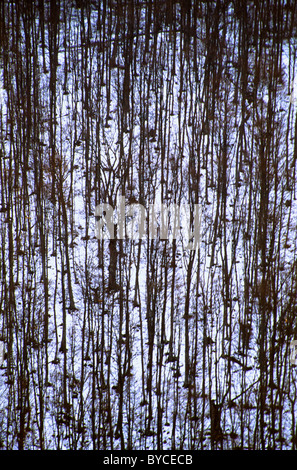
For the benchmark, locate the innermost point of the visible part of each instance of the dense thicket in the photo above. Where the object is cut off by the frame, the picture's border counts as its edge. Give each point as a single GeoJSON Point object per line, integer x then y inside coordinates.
{"type": "Point", "coordinates": [143, 343]}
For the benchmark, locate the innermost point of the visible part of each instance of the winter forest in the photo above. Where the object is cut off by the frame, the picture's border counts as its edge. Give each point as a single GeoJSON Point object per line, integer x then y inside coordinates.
{"type": "Point", "coordinates": [141, 342]}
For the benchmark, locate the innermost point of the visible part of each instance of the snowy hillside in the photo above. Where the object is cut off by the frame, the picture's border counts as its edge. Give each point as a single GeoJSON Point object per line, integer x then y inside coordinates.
{"type": "Point", "coordinates": [144, 343]}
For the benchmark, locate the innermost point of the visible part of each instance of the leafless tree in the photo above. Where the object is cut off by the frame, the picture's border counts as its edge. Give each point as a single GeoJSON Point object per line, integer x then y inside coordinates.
{"type": "Point", "coordinates": [123, 343]}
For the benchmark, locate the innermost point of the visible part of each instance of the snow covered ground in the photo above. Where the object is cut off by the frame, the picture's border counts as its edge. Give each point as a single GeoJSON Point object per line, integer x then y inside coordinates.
{"type": "Point", "coordinates": [139, 366]}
